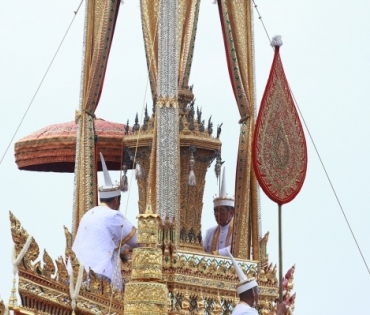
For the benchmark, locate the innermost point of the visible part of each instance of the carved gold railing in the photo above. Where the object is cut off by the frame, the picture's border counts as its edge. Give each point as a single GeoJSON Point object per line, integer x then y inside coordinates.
{"type": "Point", "coordinates": [172, 281]}
{"type": "Point", "coordinates": [45, 289]}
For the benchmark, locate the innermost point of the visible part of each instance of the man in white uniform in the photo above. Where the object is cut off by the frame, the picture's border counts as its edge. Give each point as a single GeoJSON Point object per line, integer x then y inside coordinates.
{"type": "Point", "coordinates": [103, 231]}
{"type": "Point", "coordinates": [248, 291]}
{"type": "Point", "coordinates": [219, 237]}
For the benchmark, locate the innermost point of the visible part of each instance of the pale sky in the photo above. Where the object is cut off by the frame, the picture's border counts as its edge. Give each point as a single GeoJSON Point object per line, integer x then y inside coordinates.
{"type": "Point", "coordinates": [326, 59]}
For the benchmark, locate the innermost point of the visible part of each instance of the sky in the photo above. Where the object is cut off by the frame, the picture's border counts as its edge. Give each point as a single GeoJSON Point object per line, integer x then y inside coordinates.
{"type": "Point", "coordinates": [326, 60]}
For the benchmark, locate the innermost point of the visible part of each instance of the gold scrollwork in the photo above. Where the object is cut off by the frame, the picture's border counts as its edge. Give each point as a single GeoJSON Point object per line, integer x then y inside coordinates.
{"type": "Point", "coordinates": [148, 229]}
{"type": "Point", "coordinates": [147, 263]}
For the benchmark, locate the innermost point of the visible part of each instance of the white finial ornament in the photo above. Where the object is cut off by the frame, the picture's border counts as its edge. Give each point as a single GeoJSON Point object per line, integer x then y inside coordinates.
{"type": "Point", "coordinates": [245, 284]}
{"type": "Point", "coordinates": [108, 190]}
{"type": "Point", "coordinates": [223, 199]}
{"type": "Point", "coordinates": [277, 41]}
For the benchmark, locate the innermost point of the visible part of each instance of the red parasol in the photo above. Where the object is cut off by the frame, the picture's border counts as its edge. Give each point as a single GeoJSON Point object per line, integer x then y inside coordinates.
{"type": "Point", "coordinates": [53, 148]}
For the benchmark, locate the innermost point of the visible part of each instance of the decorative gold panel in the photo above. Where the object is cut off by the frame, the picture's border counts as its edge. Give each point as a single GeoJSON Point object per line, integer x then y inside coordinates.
{"type": "Point", "coordinates": [147, 263]}
{"type": "Point", "coordinates": [146, 298]}
{"type": "Point", "coordinates": [148, 229]}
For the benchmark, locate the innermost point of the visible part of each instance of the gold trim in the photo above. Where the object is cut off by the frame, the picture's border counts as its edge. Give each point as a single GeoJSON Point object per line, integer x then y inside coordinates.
{"type": "Point", "coordinates": [214, 241]}
{"type": "Point", "coordinates": [217, 234]}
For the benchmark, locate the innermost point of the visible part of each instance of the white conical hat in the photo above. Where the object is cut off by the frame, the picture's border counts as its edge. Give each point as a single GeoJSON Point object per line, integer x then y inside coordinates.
{"type": "Point", "coordinates": [245, 284]}
{"type": "Point", "coordinates": [223, 199]}
{"type": "Point", "coordinates": [108, 190]}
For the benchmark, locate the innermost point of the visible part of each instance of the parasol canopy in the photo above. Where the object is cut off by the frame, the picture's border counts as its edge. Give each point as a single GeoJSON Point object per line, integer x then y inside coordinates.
{"type": "Point", "coordinates": [53, 148]}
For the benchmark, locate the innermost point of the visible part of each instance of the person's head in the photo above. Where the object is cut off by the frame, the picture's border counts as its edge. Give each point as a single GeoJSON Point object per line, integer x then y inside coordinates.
{"type": "Point", "coordinates": [223, 214]}
{"type": "Point", "coordinates": [223, 204]}
{"type": "Point", "coordinates": [250, 296]}
{"type": "Point", "coordinates": [109, 193]}
{"type": "Point", "coordinates": [113, 202]}
{"type": "Point", "coordinates": [247, 288]}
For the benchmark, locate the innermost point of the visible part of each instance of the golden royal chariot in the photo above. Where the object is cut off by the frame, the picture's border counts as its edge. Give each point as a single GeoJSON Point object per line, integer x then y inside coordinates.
{"type": "Point", "coordinates": [170, 273]}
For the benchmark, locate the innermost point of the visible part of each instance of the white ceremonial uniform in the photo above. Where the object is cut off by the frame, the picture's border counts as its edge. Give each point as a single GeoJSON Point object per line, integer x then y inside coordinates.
{"type": "Point", "coordinates": [98, 238]}
{"type": "Point", "coordinates": [244, 309]}
{"type": "Point", "coordinates": [223, 241]}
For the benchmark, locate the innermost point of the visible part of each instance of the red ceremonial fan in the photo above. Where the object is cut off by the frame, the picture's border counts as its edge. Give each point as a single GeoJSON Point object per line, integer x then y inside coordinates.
{"type": "Point", "coordinates": [279, 149]}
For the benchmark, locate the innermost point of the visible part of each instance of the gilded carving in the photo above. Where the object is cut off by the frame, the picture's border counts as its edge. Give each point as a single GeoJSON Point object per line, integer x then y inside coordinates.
{"type": "Point", "coordinates": [218, 306]}
{"type": "Point", "coordinates": [20, 235]}
{"type": "Point", "coordinates": [69, 239]}
{"type": "Point", "coordinates": [212, 268]}
{"type": "Point", "coordinates": [146, 292]}
{"type": "Point", "coordinates": [263, 246]}
{"type": "Point", "coordinates": [62, 273]}
{"type": "Point", "coordinates": [200, 304]}
{"type": "Point", "coordinates": [147, 263]}
{"type": "Point", "coordinates": [185, 303]}
{"type": "Point", "coordinates": [148, 229]}
{"type": "Point", "coordinates": [144, 256]}
{"type": "Point", "coordinates": [49, 267]}
{"type": "Point", "coordinates": [142, 184]}
{"type": "Point", "coordinates": [145, 309]}
{"type": "Point", "coordinates": [106, 287]}
{"type": "Point", "coordinates": [94, 283]}
{"type": "Point", "coordinates": [75, 265]}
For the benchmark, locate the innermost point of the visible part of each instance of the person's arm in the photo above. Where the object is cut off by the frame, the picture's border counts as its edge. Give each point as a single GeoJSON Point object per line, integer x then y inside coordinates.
{"type": "Point", "coordinates": [222, 251]}
{"type": "Point", "coordinates": [126, 252]}
{"type": "Point", "coordinates": [122, 229]}
{"type": "Point", "coordinates": [131, 238]}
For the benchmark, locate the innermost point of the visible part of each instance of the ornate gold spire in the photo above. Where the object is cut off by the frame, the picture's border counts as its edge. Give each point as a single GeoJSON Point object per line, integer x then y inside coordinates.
{"type": "Point", "coordinates": [13, 302]}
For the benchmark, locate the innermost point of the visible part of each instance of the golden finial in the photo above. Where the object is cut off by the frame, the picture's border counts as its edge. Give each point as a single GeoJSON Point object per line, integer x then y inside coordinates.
{"type": "Point", "coordinates": [13, 302]}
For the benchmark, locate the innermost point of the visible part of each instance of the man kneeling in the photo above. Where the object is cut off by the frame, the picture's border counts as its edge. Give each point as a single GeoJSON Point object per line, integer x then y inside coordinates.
{"type": "Point", "coordinates": [102, 231]}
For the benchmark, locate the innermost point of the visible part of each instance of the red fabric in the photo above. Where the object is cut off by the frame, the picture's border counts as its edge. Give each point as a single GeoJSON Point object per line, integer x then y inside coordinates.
{"type": "Point", "coordinates": [279, 149]}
